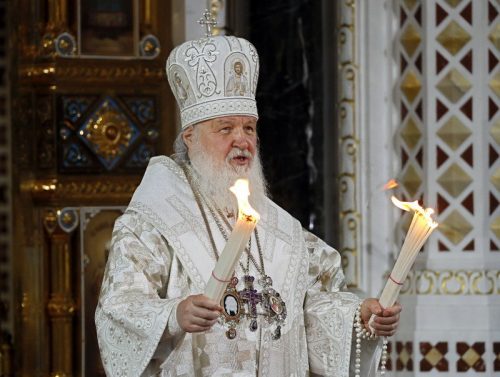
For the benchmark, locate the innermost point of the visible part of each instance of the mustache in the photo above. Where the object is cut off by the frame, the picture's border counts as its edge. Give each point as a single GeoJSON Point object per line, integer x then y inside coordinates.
{"type": "Point", "coordinates": [237, 152]}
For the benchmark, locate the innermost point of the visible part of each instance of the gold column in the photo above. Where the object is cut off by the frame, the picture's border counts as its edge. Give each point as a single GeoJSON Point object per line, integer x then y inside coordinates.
{"type": "Point", "coordinates": [61, 304]}
{"type": "Point", "coordinates": [58, 15]}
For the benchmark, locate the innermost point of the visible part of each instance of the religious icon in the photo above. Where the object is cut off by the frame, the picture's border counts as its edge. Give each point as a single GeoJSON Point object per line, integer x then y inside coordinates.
{"type": "Point", "coordinates": [275, 304]}
{"type": "Point", "coordinates": [231, 305]}
{"type": "Point", "coordinates": [180, 90]}
{"type": "Point", "coordinates": [233, 308]}
{"type": "Point", "coordinates": [237, 84]}
{"type": "Point", "coordinates": [231, 302]}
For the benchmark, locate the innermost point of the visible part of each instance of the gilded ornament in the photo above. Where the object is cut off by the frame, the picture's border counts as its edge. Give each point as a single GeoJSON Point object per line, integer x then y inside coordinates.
{"type": "Point", "coordinates": [495, 36]}
{"type": "Point", "coordinates": [94, 73]}
{"type": "Point", "coordinates": [67, 219]}
{"type": "Point", "coordinates": [411, 133]}
{"type": "Point", "coordinates": [50, 220]}
{"type": "Point", "coordinates": [411, 180]}
{"type": "Point", "coordinates": [149, 46]}
{"type": "Point", "coordinates": [60, 306]}
{"type": "Point", "coordinates": [108, 131]}
{"type": "Point", "coordinates": [454, 133]}
{"type": "Point", "coordinates": [411, 86]}
{"type": "Point", "coordinates": [495, 132]}
{"type": "Point", "coordinates": [455, 227]}
{"type": "Point", "coordinates": [453, 38]}
{"type": "Point", "coordinates": [495, 227]}
{"type": "Point", "coordinates": [410, 39]}
{"type": "Point", "coordinates": [453, 283]}
{"type": "Point", "coordinates": [495, 179]}
{"type": "Point", "coordinates": [454, 85]}
{"type": "Point", "coordinates": [482, 284]}
{"type": "Point", "coordinates": [495, 84]}
{"type": "Point", "coordinates": [453, 3]}
{"type": "Point", "coordinates": [48, 44]}
{"type": "Point", "coordinates": [410, 4]}
{"type": "Point", "coordinates": [65, 44]}
{"type": "Point", "coordinates": [455, 180]}
{"type": "Point", "coordinates": [430, 278]}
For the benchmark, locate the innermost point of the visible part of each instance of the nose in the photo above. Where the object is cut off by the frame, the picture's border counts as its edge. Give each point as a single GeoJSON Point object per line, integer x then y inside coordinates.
{"type": "Point", "coordinates": [240, 138]}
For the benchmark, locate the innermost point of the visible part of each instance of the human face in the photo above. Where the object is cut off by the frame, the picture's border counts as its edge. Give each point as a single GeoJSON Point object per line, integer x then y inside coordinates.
{"type": "Point", "coordinates": [238, 68]}
{"type": "Point", "coordinates": [222, 135]}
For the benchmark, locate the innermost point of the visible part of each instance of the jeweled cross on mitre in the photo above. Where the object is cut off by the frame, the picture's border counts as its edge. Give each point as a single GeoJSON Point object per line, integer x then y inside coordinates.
{"type": "Point", "coordinates": [208, 21]}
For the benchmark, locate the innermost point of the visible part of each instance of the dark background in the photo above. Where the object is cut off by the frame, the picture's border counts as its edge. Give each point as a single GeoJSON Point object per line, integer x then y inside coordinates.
{"type": "Point", "coordinates": [296, 103]}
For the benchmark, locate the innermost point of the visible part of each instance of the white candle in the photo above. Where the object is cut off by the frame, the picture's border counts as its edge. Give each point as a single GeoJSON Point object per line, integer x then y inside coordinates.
{"type": "Point", "coordinates": [238, 239]}
{"type": "Point", "coordinates": [420, 229]}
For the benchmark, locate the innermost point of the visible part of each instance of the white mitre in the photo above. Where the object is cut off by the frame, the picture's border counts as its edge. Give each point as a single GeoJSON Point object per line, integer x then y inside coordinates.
{"type": "Point", "coordinates": [212, 77]}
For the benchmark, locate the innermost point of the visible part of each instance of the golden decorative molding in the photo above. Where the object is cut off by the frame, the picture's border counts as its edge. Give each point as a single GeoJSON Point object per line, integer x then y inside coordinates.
{"type": "Point", "coordinates": [140, 71]}
{"type": "Point", "coordinates": [106, 190]}
{"type": "Point", "coordinates": [452, 282]}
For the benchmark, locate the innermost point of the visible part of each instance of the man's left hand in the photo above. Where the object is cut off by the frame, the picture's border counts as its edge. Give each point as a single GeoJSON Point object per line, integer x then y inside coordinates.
{"type": "Point", "coordinates": [386, 320]}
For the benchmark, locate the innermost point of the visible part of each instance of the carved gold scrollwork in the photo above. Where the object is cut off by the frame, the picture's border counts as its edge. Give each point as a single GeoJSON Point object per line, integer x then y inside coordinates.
{"type": "Point", "coordinates": [459, 282]}
{"type": "Point", "coordinates": [482, 283]}
{"type": "Point", "coordinates": [91, 72]}
{"type": "Point", "coordinates": [425, 283]}
{"type": "Point", "coordinates": [453, 283]}
{"type": "Point", "coordinates": [110, 190]}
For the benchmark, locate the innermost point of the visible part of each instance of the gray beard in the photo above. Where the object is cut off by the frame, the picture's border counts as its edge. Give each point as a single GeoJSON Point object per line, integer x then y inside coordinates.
{"type": "Point", "coordinates": [214, 178]}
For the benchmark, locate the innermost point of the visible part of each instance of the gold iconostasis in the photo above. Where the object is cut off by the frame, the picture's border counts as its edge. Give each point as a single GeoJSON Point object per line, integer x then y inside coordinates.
{"type": "Point", "coordinates": [90, 105]}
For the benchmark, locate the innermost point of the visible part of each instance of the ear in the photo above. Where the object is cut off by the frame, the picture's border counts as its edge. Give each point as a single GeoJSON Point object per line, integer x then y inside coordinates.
{"type": "Point", "coordinates": [187, 136]}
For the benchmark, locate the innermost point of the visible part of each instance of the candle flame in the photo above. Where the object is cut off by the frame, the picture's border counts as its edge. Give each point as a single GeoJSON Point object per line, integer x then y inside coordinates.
{"type": "Point", "coordinates": [391, 184]}
{"type": "Point", "coordinates": [415, 207]}
{"type": "Point", "coordinates": [242, 192]}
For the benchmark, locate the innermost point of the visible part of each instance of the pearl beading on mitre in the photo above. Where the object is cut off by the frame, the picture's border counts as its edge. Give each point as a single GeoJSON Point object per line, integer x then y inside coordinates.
{"type": "Point", "coordinates": [362, 333]}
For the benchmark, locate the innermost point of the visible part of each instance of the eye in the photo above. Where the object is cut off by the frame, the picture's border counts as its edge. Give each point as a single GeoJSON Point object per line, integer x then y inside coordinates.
{"type": "Point", "coordinates": [225, 129]}
{"type": "Point", "coordinates": [250, 129]}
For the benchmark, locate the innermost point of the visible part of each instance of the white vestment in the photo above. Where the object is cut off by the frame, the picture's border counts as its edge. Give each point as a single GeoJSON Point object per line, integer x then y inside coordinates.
{"type": "Point", "coordinates": [161, 253]}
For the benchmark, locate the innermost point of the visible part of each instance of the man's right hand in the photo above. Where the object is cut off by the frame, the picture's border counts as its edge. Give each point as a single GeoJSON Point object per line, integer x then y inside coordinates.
{"type": "Point", "coordinates": [197, 313]}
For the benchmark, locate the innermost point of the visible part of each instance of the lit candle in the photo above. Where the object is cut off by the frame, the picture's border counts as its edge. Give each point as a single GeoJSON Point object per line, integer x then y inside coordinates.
{"type": "Point", "coordinates": [247, 220]}
{"type": "Point", "coordinates": [420, 229]}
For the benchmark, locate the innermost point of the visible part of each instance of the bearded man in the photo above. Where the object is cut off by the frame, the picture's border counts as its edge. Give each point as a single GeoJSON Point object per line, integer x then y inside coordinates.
{"type": "Point", "coordinates": [286, 314]}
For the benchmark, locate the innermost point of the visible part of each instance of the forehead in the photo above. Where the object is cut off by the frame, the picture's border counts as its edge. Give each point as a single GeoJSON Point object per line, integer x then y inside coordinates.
{"type": "Point", "coordinates": [244, 119]}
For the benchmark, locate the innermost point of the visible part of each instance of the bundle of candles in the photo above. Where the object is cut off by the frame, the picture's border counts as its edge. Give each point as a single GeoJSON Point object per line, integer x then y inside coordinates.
{"type": "Point", "coordinates": [236, 243]}
{"type": "Point", "coordinates": [420, 229]}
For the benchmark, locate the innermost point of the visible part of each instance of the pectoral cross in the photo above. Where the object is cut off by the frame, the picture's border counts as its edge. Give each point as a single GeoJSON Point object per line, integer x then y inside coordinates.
{"type": "Point", "coordinates": [208, 21]}
{"type": "Point", "coordinates": [250, 296]}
